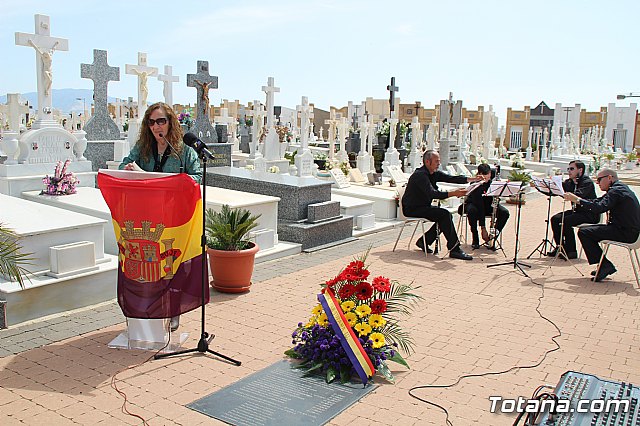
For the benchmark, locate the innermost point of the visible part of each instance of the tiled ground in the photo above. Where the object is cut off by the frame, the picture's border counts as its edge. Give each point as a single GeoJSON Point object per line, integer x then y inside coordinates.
{"type": "Point", "coordinates": [473, 319]}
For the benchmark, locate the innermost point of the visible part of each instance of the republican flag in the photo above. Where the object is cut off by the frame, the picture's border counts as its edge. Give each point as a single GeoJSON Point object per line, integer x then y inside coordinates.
{"type": "Point", "coordinates": [158, 226]}
{"type": "Point", "coordinates": [350, 343]}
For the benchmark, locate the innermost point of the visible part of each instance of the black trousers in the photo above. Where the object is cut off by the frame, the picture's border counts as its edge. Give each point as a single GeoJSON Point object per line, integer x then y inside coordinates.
{"type": "Point", "coordinates": [571, 219]}
{"type": "Point", "coordinates": [502, 215]}
{"type": "Point", "coordinates": [440, 216]}
{"type": "Point", "coordinates": [590, 236]}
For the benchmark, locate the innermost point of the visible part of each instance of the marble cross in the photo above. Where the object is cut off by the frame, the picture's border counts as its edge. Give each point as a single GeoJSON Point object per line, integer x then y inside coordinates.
{"type": "Point", "coordinates": [101, 74]}
{"type": "Point", "coordinates": [258, 114]}
{"type": "Point", "coordinates": [392, 88]}
{"type": "Point", "coordinates": [44, 46]}
{"type": "Point", "coordinates": [306, 114]}
{"type": "Point", "coordinates": [143, 72]}
{"type": "Point", "coordinates": [224, 118]}
{"type": "Point", "coordinates": [168, 79]}
{"type": "Point", "coordinates": [15, 111]}
{"type": "Point", "coordinates": [203, 81]}
{"type": "Point", "coordinates": [270, 89]}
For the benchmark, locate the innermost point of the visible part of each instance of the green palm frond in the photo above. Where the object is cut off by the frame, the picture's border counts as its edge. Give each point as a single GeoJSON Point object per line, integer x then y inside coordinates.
{"type": "Point", "coordinates": [12, 259]}
{"type": "Point", "coordinates": [228, 228]}
{"type": "Point", "coordinates": [401, 299]}
{"type": "Point", "coordinates": [394, 334]}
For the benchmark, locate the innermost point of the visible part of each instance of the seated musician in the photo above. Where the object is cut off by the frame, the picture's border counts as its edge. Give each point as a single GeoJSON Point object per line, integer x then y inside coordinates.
{"type": "Point", "coordinates": [478, 206]}
{"type": "Point", "coordinates": [580, 184]}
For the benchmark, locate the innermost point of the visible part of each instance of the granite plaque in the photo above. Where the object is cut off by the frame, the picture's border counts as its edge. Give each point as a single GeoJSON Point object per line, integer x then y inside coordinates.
{"type": "Point", "coordinates": [221, 154]}
{"type": "Point", "coordinates": [280, 395]}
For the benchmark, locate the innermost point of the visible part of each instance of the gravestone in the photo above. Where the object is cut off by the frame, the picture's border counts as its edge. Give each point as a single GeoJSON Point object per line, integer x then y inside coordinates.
{"type": "Point", "coordinates": [304, 158]}
{"type": "Point", "coordinates": [168, 79]}
{"type": "Point", "coordinates": [272, 146]}
{"type": "Point", "coordinates": [363, 161]}
{"type": "Point", "coordinates": [45, 46]}
{"type": "Point", "coordinates": [258, 113]}
{"type": "Point", "coordinates": [203, 81]}
{"type": "Point", "coordinates": [339, 179]}
{"type": "Point", "coordinates": [100, 127]}
{"type": "Point", "coordinates": [143, 72]}
{"type": "Point", "coordinates": [243, 130]}
{"type": "Point", "coordinates": [15, 111]}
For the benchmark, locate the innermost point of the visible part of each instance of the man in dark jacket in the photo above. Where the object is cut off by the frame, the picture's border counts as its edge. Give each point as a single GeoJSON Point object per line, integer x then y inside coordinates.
{"type": "Point", "coordinates": [421, 190]}
{"type": "Point", "coordinates": [581, 185]}
{"type": "Point", "coordinates": [477, 206]}
{"type": "Point", "coordinates": [623, 224]}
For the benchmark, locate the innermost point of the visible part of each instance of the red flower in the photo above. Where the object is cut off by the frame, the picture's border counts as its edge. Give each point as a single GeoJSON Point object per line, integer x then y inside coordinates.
{"type": "Point", "coordinates": [382, 284]}
{"type": "Point", "coordinates": [332, 282]}
{"type": "Point", "coordinates": [346, 291]}
{"type": "Point", "coordinates": [364, 290]}
{"type": "Point", "coordinates": [379, 306]}
{"type": "Point", "coordinates": [356, 264]}
{"type": "Point", "coordinates": [350, 276]}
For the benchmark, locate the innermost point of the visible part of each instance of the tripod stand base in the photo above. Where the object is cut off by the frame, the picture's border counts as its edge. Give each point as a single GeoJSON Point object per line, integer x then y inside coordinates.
{"type": "Point", "coordinates": [515, 264]}
{"type": "Point", "coordinates": [203, 347]}
{"type": "Point", "coordinates": [542, 248]}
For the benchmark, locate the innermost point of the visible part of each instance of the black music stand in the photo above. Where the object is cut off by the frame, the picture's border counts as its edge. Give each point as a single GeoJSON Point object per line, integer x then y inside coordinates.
{"type": "Point", "coordinates": [505, 189]}
{"type": "Point", "coordinates": [205, 338]}
{"type": "Point", "coordinates": [546, 187]}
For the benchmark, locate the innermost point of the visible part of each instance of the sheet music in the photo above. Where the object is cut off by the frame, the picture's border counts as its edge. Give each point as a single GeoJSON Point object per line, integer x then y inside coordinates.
{"type": "Point", "coordinates": [474, 186]}
{"type": "Point", "coordinates": [549, 186]}
{"type": "Point", "coordinates": [504, 188]}
{"type": "Point", "coordinates": [557, 183]}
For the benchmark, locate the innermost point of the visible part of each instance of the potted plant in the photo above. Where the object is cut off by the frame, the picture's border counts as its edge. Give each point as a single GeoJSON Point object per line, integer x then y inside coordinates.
{"type": "Point", "coordinates": [518, 176]}
{"type": "Point", "coordinates": [631, 160]}
{"type": "Point", "coordinates": [231, 254]}
{"type": "Point", "coordinates": [320, 159]}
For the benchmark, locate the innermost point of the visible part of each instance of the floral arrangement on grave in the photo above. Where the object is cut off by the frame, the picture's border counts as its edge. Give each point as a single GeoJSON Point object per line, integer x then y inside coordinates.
{"type": "Point", "coordinates": [185, 118]}
{"type": "Point", "coordinates": [62, 182]}
{"type": "Point", "coordinates": [284, 135]}
{"type": "Point", "coordinates": [274, 169]}
{"type": "Point", "coordinates": [517, 162]}
{"type": "Point", "coordinates": [355, 329]}
{"type": "Point", "coordinates": [248, 121]}
{"type": "Point", "coordinates": [384, 129]}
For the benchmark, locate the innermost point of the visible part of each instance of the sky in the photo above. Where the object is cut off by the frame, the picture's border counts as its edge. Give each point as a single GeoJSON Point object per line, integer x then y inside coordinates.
{"type": "Point", "coordinates": [487, 52]}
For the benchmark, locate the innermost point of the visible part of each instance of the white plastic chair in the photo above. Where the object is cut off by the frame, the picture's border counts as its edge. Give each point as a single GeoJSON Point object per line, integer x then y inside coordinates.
{"type": "Point", "coordinates": [631, 247]}
{"type": "Point", "coordinates": [419, 221]}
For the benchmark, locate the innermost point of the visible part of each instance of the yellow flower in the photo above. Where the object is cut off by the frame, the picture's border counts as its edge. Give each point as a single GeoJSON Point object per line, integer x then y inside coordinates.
{"type": "Point", "coordinates": [351, 317]}
{"type": "Point", "coordinates": [311, 322]}
{"type": "Point", "coordinates": [376, 321]}
{"type": "Point", "coordinates": [363, 329]}
{"type": "Point", "coordinates": [347, 306]}
{"type": "Point", "coordinates": [323, 320]}
{"type": "Point", "coordinates": [317, 310]}
{"type": "Point", "coordinates": [378, 340]}
{"type": "Point", "coordinates": [363, 310]}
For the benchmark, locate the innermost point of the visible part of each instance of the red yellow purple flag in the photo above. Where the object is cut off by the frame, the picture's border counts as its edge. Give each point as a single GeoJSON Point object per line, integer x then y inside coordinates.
{"type": "Point", "coordinates": [350, 343]}
{"type": "Point", "coordinates": [158, 226]}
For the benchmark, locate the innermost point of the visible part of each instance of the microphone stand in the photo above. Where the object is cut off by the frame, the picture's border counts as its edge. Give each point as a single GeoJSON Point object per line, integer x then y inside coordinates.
{"type": "Point", "coordinates": [515, 262]}
{"type": "Point", "coordinates": [205, 338]}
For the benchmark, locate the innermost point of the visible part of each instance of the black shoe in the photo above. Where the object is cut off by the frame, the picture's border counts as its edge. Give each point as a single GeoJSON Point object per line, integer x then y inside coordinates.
{"type": "Point", "coordinates": [475, 242]}
{"type": "Point", "coordinates": [460, 254]}
{"type": "Point", "coordinates": [605, 271]}
{"type": "Point", "coordinates": [552, 253]}
{"type": "Point", "coordinates": [475, 245]}
{"type": "Point", "coordinates": [572, 255]}
{"type": "Point", "coordinates": [420, 245]}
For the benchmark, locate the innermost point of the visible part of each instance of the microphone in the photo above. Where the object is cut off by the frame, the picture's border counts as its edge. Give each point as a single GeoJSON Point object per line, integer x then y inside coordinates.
{"type": "Point", "coordinates": [174, 151]}
{"type": "Point", "coordinates": [201, 148]}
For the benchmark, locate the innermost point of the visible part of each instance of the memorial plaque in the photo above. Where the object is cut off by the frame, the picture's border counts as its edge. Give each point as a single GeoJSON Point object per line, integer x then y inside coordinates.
{"type": "Point", "coordinates": [355, 175]}
{"type": "Point", "coordinates": [280, 395]}
{"type": "Point", "coordinates": [221, 153]}
{"type": "Point", "coordinates": [339, 178]}
{"type": "Point", "coordinates": [398, 175]}
{"type": "Point", "coordinates": [47, 145]}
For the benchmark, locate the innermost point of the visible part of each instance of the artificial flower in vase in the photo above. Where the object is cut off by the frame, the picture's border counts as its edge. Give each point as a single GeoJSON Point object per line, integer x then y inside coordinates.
{"type": "Point", "coordinates": [62, 182]}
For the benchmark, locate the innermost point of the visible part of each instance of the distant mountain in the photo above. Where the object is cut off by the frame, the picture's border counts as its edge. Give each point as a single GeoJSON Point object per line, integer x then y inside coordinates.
{"type": "Point", "coordinates": [66, 100]}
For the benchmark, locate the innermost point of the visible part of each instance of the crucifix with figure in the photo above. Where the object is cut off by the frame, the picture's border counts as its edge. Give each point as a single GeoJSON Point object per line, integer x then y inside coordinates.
{"type": "Point", "coordinates": [45, 46]}
{"type": "Point", "coordinates": [392, 88]}
{"type": "Point", "coordinates": [100, 126]}
{"type": "Point", "coordinates": [143, 72]}
{"type": "Point", "coordinates": [168, 79]}
{"type": "Point", "coordinates": [203, 81]}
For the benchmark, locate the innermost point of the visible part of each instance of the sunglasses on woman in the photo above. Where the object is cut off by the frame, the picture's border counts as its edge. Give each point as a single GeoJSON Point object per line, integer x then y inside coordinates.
{"type": "Point", "coordinates": [160, 121]}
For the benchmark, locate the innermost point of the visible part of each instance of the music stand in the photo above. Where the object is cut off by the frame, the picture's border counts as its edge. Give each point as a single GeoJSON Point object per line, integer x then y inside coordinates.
{"type": "Point", "coordinates": [500, 189]}
{"type": "Point", "coordinates": [549, 188]}
{"type": "Point", "coordinates": [205, 338]}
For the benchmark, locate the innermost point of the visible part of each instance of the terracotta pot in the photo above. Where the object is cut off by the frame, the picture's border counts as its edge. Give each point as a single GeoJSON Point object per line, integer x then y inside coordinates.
{"type": "Point", "coordinates": [232, 270]}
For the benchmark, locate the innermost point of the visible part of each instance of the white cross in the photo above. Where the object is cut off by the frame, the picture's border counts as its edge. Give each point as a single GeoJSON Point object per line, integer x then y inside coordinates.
{"type": "Point", "coordinates": [224, 118]}
{"type": "Point", "coordinates": [269, 89]}
{"type": "Point", "coordinates": [258, 114]}
{"type": "Point", "coordinates": [44, 46]}
{"type": "Point", "coordinates": [168, 79]}
{"type": "Point", "coordinates": [306, 114]}
{"type": "Point", "coordinates": [15, 111]}
{"type": "Point", "coordinates": [142, 71]}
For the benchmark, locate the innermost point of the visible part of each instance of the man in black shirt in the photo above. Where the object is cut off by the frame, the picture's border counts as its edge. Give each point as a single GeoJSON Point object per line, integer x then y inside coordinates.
{"type": "Point", "coordinates": [623, 224]}
{"type": "Point", "coordinates": [581, 185]}
{"type": "Point", "coordinates": [477, 206]}
{"type": "Point", "coordinates": [422, 189]}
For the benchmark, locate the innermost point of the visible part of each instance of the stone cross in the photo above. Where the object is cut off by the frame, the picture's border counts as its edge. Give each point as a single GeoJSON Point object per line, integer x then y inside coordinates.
{"type": "Point", "coordinates": [143, 72]}
{"type": "Point", "coordinates": [258, 114]}
{"type": "Point", "coordinates": [224, 118]}
{"type": "Point", "coordinates": [168, 79]}
{"type": "Point", "coordinates": [15, 111]}
{"type": "Point", "coordinates": [306, 114]}
{"type": "Point", "coordinates": [343, 134]}
{"type": "Point", "coordinates": [392, 88]}
{"type": "Point", "coordinates": [100, 126]}
{"type": "Point", "coordinates": [270, 89]}
{"type": "Point", "coordinates": [203, 81]}
{"type": "Point", "coordinates": [44, 46]}
{"type": "Point", "coordinates": [332, 122]}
